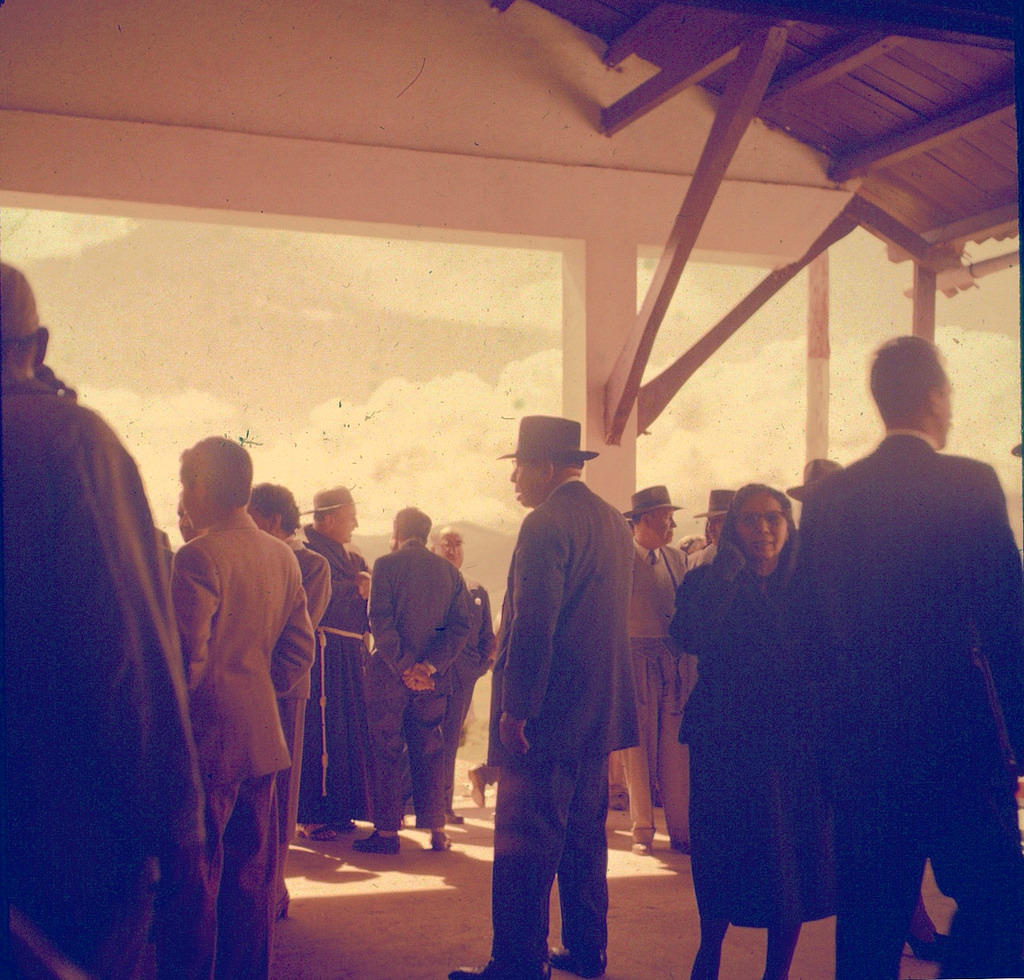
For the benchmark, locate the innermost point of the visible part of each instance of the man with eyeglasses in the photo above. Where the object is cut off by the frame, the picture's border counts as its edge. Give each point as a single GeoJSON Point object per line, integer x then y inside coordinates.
{"type": "Point", "coordinates": [913, 610]}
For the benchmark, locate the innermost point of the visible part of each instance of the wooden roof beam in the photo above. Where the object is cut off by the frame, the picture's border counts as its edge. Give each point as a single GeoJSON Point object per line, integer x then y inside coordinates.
{"type": "Point", "coordinates": [987, 224]}
{"type": "Point", "coordinates": [698, 58]}
{"type": "Point", "coordinates": [750, 76]}
{"type": "Point", "coordinates": [920, 139]}
{"type": "Point", "coordinates": [656, 394]}
{"type": "Point", "coordinates": [630, 40]}
{"type": "Point", "coordinates": [894, 232]}
{"type": "Point", "coordinates": [821, 71]}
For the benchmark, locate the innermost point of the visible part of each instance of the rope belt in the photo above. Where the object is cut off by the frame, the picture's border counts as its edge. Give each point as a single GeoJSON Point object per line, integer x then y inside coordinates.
{"type": "Point", "coordinates": [334, 632]}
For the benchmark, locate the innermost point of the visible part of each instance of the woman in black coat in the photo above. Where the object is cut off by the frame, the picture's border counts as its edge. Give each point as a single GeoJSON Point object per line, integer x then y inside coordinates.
{"type": "Point", "coordinates": [760, 835]}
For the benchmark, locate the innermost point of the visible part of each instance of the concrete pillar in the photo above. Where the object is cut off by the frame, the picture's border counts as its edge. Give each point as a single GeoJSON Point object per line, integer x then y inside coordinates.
{"type": "Point", "coordinates": [598, 308]}
{"type": "Point", "coordinates": [818, 352]}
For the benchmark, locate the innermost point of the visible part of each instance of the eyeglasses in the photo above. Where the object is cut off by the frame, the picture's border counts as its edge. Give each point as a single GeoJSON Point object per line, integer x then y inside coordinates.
{"type": "Point", "coordinates": [751, 520]}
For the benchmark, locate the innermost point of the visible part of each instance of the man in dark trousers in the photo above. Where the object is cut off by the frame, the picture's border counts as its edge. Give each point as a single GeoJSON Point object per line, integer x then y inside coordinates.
{"type": "Point", "coordinates": [913, 606]}
{"type": "Point", "coordinates": [562, 701]}
{"type": "Point", "coordinates": [420, 619]}
{"type": "Point", "coordinates": [469, 666]}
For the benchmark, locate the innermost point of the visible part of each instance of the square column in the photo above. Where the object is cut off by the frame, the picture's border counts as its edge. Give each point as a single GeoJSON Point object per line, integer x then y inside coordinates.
{"type": "Point", "coordinates": [598, 310]}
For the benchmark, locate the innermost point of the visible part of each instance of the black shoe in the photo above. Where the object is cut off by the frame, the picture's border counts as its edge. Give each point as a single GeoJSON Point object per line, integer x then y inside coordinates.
{"type": "Point", "coordinates": [930, 951]}
{"type": "Point", "coordinates": [591, 965]}
{"type": "Point", "coordinates": [440, 841]}
{"type": "Point", "coordinates": [377, 844]}
{"type": "Point", "coordinates": [454, 818]}
{"type": "Point", "coordinates": [500, 971]}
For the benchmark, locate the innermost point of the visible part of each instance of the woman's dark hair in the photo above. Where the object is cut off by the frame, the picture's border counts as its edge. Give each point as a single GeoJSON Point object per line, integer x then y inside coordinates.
{"type": "Point", "coordinates": [730, 534]}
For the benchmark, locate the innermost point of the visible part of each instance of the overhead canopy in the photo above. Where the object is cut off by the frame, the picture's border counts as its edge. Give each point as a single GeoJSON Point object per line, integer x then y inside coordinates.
{"type": "Point", "coordinates": [753, 132]}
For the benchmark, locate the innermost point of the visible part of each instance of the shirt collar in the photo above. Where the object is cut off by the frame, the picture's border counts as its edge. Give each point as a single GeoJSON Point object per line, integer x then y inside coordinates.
{"type": "Point", "coordinates": [916, 433]}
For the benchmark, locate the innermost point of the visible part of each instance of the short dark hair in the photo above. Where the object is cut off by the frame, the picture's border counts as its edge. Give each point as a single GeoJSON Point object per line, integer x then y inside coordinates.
{"type": "Point", "coordinates": [904, 371]}
{"type": "Point", "coordinates": [269, 499]}
{"type": "Point", "coordinates": [412, 523]}
{"type": "Point", "coordinates": [228, 467]}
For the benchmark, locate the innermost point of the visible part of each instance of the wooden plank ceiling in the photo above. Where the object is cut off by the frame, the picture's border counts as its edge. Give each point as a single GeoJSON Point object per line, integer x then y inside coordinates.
{"type": "Point", "coordinates": [910, 103]}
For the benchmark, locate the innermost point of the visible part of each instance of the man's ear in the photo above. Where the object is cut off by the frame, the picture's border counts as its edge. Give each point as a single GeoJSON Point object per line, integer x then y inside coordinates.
{"type": "Point", "coordinates": [42, 338]}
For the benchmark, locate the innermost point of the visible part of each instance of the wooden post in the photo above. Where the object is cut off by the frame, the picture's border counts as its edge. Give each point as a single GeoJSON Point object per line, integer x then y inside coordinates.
{"type": "Point", "coordinates": [818, 353]}
{"type": "Point", "coordinates": [924, 303]}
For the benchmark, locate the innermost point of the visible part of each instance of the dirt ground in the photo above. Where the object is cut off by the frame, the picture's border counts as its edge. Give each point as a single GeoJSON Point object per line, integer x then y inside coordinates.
{"type": "Point", "coordinates": [419, 914]}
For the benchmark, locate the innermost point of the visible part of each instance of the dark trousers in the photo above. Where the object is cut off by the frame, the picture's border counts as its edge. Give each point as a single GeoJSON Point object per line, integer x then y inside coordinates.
{"type": "Point", "coordinates": [293, 719]}
{"type": "Point", "coordinates": [461, 681]}
{"type": "Point", "coordinates": [397, 718]}
{"type": "Point", "coordinates": [550, 820]}
{"type": "Point", "coordinates": [969, 832]}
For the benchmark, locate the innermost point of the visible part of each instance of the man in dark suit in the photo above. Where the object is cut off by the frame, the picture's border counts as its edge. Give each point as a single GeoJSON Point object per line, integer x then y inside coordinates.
{"type": "Point", "coordinates": [469, 666]}
{"type": "Point", "coordinates": [420, 619]}
{"type": "Point", "coordinates": [562, 701]}
{"type": "Point", "coordinates": [912, 602]}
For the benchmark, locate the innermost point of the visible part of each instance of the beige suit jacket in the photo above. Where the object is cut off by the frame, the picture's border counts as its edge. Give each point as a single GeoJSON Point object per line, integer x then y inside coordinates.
{"type": "Point", "coordinates": [246, 639]}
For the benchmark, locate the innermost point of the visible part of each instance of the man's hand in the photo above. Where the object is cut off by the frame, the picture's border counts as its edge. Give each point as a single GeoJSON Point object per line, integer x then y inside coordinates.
{"type": "Point", "coordinates": [418, 678]}
{"type": "Point", "coordinates": [512, 732]}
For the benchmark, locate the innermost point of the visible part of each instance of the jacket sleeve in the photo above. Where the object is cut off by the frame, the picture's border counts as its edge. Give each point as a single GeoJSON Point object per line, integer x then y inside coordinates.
{"type": "Point", "coordinates": [538, 583]}
{"type": "Point", "coordinates": [296, 647]}
{"type": "Point", "coordinates": [386, 641]}
{"type": "Point", "coordinates": [485, 642]}
{"type": "Point", "coordinates": [451, 638]}
{"type": "Point", "coordinates": [195, 590]}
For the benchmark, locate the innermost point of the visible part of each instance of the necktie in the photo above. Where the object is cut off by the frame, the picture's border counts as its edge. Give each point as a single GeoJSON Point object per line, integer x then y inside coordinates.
{"type": "Point", "coordinates": [653, 558]}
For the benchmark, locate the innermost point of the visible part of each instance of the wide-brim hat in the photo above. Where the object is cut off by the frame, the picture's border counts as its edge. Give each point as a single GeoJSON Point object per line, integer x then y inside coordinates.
{"type": "Point", "coordinates": [648, 499]}
{"type": "Point", "coordinates": [718, 503]}
{"type": "Point", "coordinates": [332, 499]}
{"type": "Point", "coordinates": [549, 438]}
{"type": "Point", "coordinates": [1016, 450]}
{"type": "Point", "coordinates": [814, 472]}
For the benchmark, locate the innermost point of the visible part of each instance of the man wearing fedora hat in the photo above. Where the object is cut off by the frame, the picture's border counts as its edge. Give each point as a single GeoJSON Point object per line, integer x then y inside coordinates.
{"type": "Point", "coordinates": [814, 472]}
{"type": "Point", "coordinates": [718, 507]}
{"type": "Point", "coordinates": [562, 701]}
{"type": "Point", "coordinates": [334, 788]}
{"type": "Point", "coordinates": [662, 675]}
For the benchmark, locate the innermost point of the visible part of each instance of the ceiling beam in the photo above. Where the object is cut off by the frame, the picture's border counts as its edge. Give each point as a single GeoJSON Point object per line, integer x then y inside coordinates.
{"type": "Point", "coordinates": [986, 224]}
{"type": "Point", "coordinates": [821, 71]}
{"type": "Point", "coordinates": [630, 40]}
{"type": "Point", "coordinates": [890, 230]}
{"type": "Point", "coordinates": [697, 58]}
{"type": "Point", "coordinates": [748, 80]}
{"type": "Point", "coordinates": [656, 394]}
{"type": "Point", "coordinates": [990, 23]}
{"type": "Point", "coordinates": [951, 125]}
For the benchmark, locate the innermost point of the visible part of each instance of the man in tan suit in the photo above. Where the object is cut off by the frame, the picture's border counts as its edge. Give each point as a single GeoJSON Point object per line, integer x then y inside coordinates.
{"type": "Point", "coordinates": [247, 640]}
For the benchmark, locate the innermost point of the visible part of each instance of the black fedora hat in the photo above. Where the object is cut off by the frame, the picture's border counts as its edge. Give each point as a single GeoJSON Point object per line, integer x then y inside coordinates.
{"type": "Point", "coordinates": [648, 499]}
{"type": "Point", "coordinates": [718, 503]}
{"type": "Point", "coordinates": [549, 438]}
{"type": "Point", "coordinates": [814, 471]}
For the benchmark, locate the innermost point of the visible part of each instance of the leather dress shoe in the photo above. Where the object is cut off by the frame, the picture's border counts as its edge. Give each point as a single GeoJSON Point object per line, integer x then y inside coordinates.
{"type": "Point", "coordinates": [454, 818]}
{"type": "Point", "coordinates": [591, 965]}
{"type": "Point", "coordinates": [440, 841]}
{"type": "Point", "coordinates": [501, 971]}
{"type": "Point", "coordinates": [377, 844]}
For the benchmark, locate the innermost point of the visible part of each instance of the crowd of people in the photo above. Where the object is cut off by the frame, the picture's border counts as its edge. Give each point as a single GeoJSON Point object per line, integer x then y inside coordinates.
{"type": "Point", "coordinates": [818, 711]}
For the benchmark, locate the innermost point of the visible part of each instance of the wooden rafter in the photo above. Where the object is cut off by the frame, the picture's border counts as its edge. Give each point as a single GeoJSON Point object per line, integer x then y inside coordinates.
{"type": "Point", "coordinates": [750, 76]}
{"type": "Point", "coordinates": [886, 227]}
{"type": "Point", "coordinates": [949, 126]}
{"type": "Point", "coordinates": [657, 393]}
{"type": "Point", "coordinates": [978, 225]}
{"type": "Point", "coordinates": [698, 58]}
{"type": "Point", "coordinates": [628, 42]}
{"type": "Point", "coordinates": [821, 71]}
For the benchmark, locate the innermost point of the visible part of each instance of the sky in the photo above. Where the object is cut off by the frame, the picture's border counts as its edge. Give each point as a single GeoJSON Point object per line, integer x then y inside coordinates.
{"type": "Point", "coordinates": [401, 368]}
